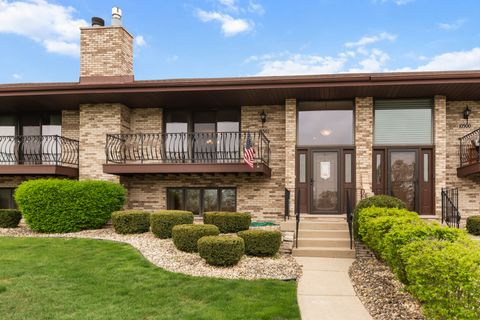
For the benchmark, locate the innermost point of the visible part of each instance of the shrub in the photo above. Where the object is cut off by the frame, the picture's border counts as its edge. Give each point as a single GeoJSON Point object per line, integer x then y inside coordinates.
{"type": "Point", "coordinates": [162, 222]}
{"type": "Point", "coordinates": [401, 235]}
{"type": "Point", "coordinates": [9, 218]}
{"type": "Point", "coordinates": [445, 277]}
{"type": "Point", "coordinates": [131, 221]}
{"type": "Point", "coordinates": [261, 243]}
{"type": "Point", "coordinates": [375, 222]}
{"type": "Point", "coordinates": [186, 236]}
{"type": "Point", "coordinates": [60, 205]}
{"type": "Point", "coordinates": [381, 201]}
{"type": "Point", "coordinates": [473, 225]}
{"type": "Point", "coordinates": [228, 222]}
{"type": "Point", "coordinates": [221, 250]}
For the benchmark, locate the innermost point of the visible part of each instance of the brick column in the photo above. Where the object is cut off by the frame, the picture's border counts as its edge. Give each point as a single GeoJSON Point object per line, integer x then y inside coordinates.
{"type": "Point", "coordinates": [70, 124]}
{"type": "Point", "coordinates": [96, 121]}
{"type": "Point", "coordinates": [440, 141]}
{"type": "Point", "coordinates": [290, 145]}
{"type": "Point", "coordinates": [363, 144]}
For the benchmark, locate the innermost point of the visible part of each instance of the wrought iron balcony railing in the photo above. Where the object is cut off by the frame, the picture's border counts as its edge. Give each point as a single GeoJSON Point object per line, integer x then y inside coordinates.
{"type": "Point", "coordinates": [192, 147]}
{"type": "Point", "coordinates": [35, 150]}
{"type": "Point", "coordinates": [469, 148]}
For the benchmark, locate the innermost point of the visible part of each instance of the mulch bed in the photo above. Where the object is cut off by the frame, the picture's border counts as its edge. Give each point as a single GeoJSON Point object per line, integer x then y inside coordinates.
{"type": "Point", "coordinates": [381, 293]}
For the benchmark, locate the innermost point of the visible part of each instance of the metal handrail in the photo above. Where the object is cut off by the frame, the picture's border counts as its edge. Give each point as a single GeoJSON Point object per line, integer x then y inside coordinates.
{"type": "Point", "coordinates": [287, 205]}
{"type": "Point", "coordinates": [297, 215]}
{"type": "Point", "coordinates": [189, 147]}
{"type": "Point", "coordinates": [35, 150]}
{"type": "Point", "coordinates": [450, 213]}
{"type": "Point", "coordinates": [349, 217]}
{"type": "Point", "coordinates": [469, 148]}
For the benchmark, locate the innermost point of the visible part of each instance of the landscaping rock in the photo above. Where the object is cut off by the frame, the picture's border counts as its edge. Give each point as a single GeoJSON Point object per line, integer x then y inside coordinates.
{"type": "Point", "coordinates": [163, 253]}
{"type": "Point", "coordinates": [381, 293]}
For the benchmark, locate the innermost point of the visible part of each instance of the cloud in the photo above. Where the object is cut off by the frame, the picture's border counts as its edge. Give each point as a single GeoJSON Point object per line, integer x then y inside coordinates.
{"type": "Point", "coordinates": [51, 25]}
{"type": "Point", "coordinates": [229, 4]}
{"type": "Point", "coordinates": [453, 25]}
{"type": "Point", "coordinates": [397, 2]}
{"type": "Point", "coordinates": [366, 40]}
{"type": "Point", "coordinates": [16, 76]}
{"type": "Point", "coordinates": [140, 41]}
{"type": "Point", "coordinates": [230, 26]}
{"type": "Point", "coordinates": [255, 7]}
{"type": "Point", "coordinates": [455, 60]}
{"type": "Point", "coordinates": [172, 59]}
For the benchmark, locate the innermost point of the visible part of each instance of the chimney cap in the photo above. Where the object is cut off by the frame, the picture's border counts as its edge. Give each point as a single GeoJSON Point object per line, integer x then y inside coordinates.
{"type": "Point", "coordinates": [98, 22]}
{"type": "Point", "coordinates": [116, 12]}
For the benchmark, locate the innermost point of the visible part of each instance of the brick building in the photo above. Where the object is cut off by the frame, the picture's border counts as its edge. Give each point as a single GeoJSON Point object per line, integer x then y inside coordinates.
{"type": "Point", "coordinates": [180, 143]}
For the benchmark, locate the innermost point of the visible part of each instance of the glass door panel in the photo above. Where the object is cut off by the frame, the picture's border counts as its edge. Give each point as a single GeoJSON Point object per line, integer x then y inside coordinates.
{"type": "Point", "coordinates": [31, 144]}
{"type": "Point", "coordinates": [324, 182]}
{"type": "Point", "coordinates": [403, 174]}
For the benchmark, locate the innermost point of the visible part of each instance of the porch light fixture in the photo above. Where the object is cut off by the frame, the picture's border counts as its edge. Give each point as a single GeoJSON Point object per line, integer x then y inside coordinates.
{"type": "Point", "coordinates": [263, 117]}
{"type": "Point", "coordinates": [466, 113]}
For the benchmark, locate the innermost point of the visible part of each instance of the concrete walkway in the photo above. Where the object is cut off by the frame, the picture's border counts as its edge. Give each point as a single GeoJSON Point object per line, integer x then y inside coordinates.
{"type": "Point", "coordinates": [325, 291]}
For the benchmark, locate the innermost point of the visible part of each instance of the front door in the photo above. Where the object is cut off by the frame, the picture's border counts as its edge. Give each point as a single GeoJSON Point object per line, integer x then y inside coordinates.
{"type": "Point", "coordinates": [406, 174]}
{"type": "Point", "coordinates": [324, 182]}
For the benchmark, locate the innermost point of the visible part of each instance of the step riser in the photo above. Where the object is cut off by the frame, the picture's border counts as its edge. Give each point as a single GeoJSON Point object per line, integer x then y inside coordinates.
{"type": "Point", "coordinates": [290, 226]}
{"type": "Point", "coordinates": [340, 243]}
{"type": "Point", "coordinates": [323, 234]}
{"type": "Point", "coordinates": [323, 254]}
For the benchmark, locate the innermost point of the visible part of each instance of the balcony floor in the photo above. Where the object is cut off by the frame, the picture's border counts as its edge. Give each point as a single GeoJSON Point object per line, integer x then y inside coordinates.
{"type": "Point", "coordinates": [186, 168]}
{"type": "Point", "coordinates": [39, 169]}
{"type": "Point", "coordinates": [468, 170]}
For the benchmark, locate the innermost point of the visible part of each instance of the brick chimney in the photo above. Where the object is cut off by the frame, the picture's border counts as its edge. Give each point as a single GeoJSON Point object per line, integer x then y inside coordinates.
{"type": "Point", "coordinates": [106, 53]}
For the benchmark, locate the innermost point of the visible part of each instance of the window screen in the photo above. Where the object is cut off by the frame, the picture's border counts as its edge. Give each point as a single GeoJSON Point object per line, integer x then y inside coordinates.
{"type": "Point", "coordinates": [403, 122]}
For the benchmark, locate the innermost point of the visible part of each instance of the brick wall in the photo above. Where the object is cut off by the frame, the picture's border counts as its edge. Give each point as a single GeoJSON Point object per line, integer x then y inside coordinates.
{"type": "Point", "coordinates": [363, 144]}
{"type": "Point", "coordinates": [262, 196]}
{"type": "Point", "coordinates": [106, 51]}
{"type": "Point", "coordinates": [290, 149]}
{"type": "Point", "coordinates": [440, 141]}
{"type": "Point", "coordinates": [146, 120]}
{"type": "Point", "coordinates": [71, 124]}
{"type": "Point", "coordinates": [469, 187]}
{"type": "Point", "coordinates": [96, 121]}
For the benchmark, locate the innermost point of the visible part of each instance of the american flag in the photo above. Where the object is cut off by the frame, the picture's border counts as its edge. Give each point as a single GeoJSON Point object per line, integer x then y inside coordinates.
{"type": "Point", "coordinates": [249, 152]}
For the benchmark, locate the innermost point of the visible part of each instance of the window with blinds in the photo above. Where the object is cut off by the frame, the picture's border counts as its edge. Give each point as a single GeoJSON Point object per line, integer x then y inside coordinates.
{"type": "Point", "coordinates": [403, 122]}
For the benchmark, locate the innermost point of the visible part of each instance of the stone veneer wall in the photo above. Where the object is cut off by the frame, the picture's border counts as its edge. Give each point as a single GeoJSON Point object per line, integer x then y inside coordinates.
{"type": "Point", "coordinates": [106, 51]}
{"type": "Point", "coordinates": [96, 121]}
{"type": "Point", "coordinates": [469, 187]}
{"type": "Point", "coordinates": [363, 144]}
{"type": "Point", "coordinates": [71, 124]}
{"type": "Point", "coordinates": [262, 196]}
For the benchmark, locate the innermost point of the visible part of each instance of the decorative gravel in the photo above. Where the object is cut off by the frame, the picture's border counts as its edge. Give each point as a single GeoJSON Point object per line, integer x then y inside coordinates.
{"type": "Point", "coordinates": [381, 293]}
{"type": "Point", "coordinates": [163, 254]}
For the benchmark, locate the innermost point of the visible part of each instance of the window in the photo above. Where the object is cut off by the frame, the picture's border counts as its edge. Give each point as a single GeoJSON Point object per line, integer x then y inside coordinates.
{"type": "Point", "coordinates": [6, 198]}
{"type": "Point", "coordinates": [200, 200]}
{"type": "Point", "coordinates": [403, 122]}
{"type": "Point", "coordinates": [325, 127]}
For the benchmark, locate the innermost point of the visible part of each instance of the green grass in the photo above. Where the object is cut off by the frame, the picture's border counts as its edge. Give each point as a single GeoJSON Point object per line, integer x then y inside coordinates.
{"type": "Point", "coordinates": [92, 279]}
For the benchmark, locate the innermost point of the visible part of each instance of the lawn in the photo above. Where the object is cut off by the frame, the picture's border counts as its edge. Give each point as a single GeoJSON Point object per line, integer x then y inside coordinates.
{"type": "Point", "coordinates": [93, 279]}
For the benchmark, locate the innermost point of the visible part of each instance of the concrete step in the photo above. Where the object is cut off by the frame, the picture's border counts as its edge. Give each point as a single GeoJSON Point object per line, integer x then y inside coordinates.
{"type": "Point", "coordinates": [324, 242]}
{"type": "Point", "coordinates": [308, 225]}
{"type": "Point", "coordinates": [323, 252]}
{"type": "Point", "coordinates": [305, 233]}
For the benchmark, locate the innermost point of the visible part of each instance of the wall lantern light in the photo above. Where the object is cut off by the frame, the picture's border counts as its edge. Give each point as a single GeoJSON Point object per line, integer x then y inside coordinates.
{"type": "Point", "coordinates": [263, 117]}
{"type": "Point", "coordinates": [466, 114]}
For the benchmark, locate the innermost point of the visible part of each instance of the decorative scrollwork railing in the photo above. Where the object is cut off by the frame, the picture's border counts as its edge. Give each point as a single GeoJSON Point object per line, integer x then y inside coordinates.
{"type": "Point", "coordinates": [47, 150]}
{"type": "Point", "coordinates": [469, 148]}
{"type": "Point", "coordinates": [450, 213]}
{"type": "Point", "coordinates": [192, 147]}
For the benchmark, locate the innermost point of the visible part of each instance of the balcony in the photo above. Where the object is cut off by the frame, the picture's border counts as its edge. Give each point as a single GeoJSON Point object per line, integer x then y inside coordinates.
{"type": "Point", "coordinates": [469, 154]}
{"type": "Point", "coordinates": [38, 155]}
{"type": "Point", "coordinates": [186, 153]}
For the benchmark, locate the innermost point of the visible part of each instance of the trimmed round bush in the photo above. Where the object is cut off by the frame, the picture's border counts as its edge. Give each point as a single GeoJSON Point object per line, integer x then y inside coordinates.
{"type": "Point", "coordinates": [473, 225]}
{"type": "Point", "coordinates": [186, 236]}
{"type": "Point", "coordinates": [162, 222]}
{"type": "Point", "coordinates": [261, 243]}
{"type": "Point", "coordinates": [9, 218]}
{"type": "Point", "coordinates": [228, 222]}
{"type": "Point", "coordinates": [381, 201]}
{"type": "Point", "coordinates": [131, 221]}
{"type": "Point", "coordinates": [61, 205]}
{"type": "Point", "coordinates": [221, 250]}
